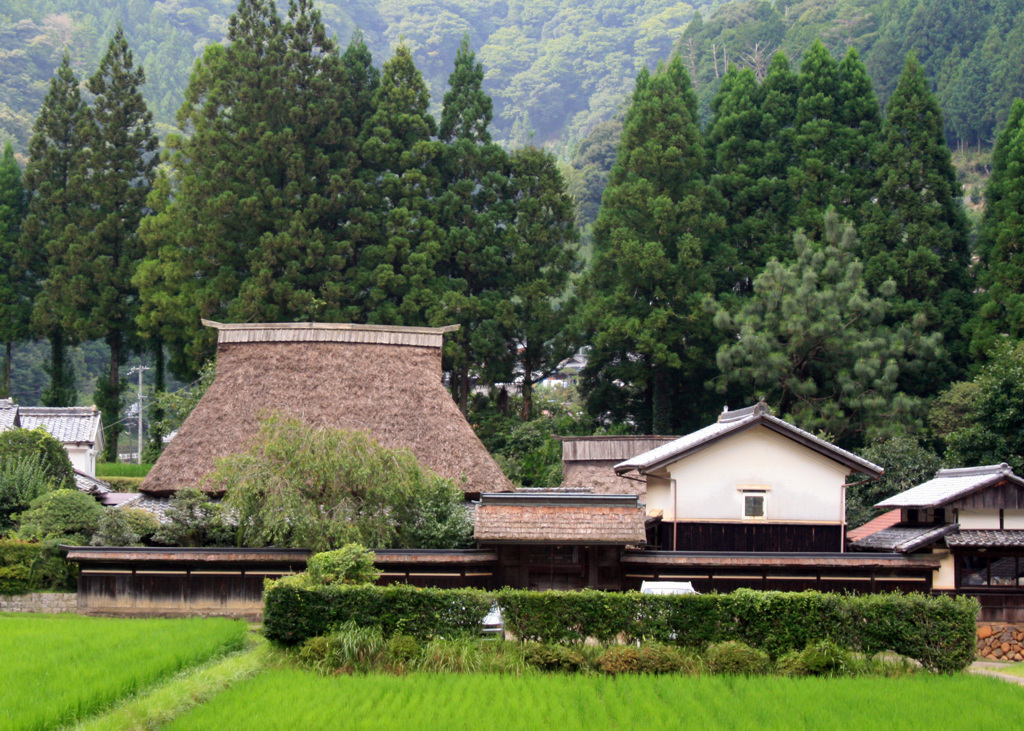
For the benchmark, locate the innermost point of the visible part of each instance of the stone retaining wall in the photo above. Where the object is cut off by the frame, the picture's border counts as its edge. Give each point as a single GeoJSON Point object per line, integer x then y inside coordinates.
{"type": "Point", "coordinates": [1001, 642]}
{"type": "Point", "coordinates": [41, 603]}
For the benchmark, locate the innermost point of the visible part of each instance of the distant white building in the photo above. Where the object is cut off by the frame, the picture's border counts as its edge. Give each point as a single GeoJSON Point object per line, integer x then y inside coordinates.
{"type": "Point", "coordinates": [78, 428]}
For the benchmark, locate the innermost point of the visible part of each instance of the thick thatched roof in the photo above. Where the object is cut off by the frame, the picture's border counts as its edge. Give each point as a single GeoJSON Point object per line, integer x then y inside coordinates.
{"type": "Point", "coordinates": [385, 380]}
{"type": "Point", "coordinates": [559, 517]}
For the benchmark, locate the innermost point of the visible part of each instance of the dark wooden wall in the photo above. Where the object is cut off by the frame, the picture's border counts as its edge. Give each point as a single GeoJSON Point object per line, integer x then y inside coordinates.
{"type": "Point", "coordinates": [751, 537]}
{"type": "Point", "coordinates": [544, 567]}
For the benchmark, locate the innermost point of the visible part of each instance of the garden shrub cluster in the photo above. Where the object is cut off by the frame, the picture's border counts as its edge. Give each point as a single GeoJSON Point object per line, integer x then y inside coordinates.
{"type": "Point", "coordinates": [939, 632]}
{"type": "Point", "coordinates": [34, 566]}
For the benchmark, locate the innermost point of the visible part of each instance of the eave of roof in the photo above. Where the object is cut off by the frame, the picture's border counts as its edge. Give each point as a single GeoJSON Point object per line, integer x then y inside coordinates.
{"type": "Point", "coordinates": [904, 539]}
{"type": "Point", "coordinates": [703, 438]}
{"type": "Point", "coordinates": [986, 539]}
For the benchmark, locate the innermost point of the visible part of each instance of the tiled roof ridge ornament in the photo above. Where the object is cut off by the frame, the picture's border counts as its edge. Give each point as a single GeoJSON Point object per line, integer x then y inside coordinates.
{"type": "Point", "coordinates": [990, 469]}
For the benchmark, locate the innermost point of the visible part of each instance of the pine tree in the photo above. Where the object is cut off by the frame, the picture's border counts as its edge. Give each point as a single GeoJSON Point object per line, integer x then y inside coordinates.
{"type": "Point", "coordinates": [15, 305]}
{"type": "Point", "coordinates": [471, 212]}
{"type": "Point", "coordinates": [917, 232]}
{"type": "Point", "coordinates": [815, 343]}
{"type": "Point", "coordinates": [1001, 243]}
{"type": "Point", "coordinates": [96, 295]}
{"type": "Point", "coordinates": [54, 203]}
{"type": "Point", "coordinates": [654, 254]}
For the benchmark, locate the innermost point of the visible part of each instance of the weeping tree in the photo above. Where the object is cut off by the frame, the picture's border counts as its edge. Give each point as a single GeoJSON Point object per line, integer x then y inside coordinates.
{"type": "Point", "coordinates": [321, 488]}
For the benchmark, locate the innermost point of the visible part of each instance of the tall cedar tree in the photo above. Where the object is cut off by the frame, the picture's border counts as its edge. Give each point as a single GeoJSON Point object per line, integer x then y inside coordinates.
{"type": "Point", "coordinates": [537, 312]}
{"type": "Point", "coordinates": [395, 236]}
{"type": "Point", "coordinates": [816, 344]}
{"type": "Point", "coordinates": [918, 232]}
{"type": "Point", "coordinates": [116, 173]}
{"type": "Point", "coordinates": [1001, 243]}
{"type": "Point", "coordinates": [54, 205]}
{"type": "Point", "coordinates": [248, 232]}
{"type": "Point", "coordinates": [15, 305]}
{"type": "Point", "coordinates": [655, 246]}
{"type": "Point", "coordinates": [471, 210]}
{"type": "Point", "coordinates": [741, 170]}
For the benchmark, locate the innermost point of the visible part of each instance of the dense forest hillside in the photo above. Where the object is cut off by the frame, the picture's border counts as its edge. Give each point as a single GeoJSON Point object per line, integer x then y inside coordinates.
{"type": "Point", "coordinates": [554, 67]}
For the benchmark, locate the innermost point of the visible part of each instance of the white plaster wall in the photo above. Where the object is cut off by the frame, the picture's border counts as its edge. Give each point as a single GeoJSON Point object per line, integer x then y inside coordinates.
{"type": "Point", "coordinates": [802, 485]}
{"type": "Point", "coordinates": [978, 519]}
{"type": "Point", "coordinates": [1013, 519]}
{"type": "Point", "coordinates": [82, 459]}
{"type": "Point", "coordinates": [944, 577]}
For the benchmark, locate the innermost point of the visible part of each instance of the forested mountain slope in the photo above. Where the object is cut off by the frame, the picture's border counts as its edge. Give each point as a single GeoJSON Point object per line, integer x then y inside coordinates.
{"type": "Point", "coordinates": [554, 67]}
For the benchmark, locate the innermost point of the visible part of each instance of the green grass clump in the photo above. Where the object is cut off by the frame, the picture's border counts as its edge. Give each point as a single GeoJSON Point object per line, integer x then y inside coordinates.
{"type": "Point", "coordinates": [736, 658]}
{"type": "Point", "coordinates": [122, 469]}
{"type": "Point", "coordinates": [291, 699]}
{"type": "Point", "coordinates": [57, 669]}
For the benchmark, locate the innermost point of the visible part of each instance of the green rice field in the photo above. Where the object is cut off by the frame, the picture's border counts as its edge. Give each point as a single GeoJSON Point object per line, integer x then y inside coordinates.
{"type": "Point", "coordinates": [293, 699]}
{"type": "Point", "coordinates": [55, 669]}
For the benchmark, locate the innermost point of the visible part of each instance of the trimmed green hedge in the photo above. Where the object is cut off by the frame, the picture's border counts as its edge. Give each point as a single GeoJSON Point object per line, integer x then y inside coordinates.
{"type": "Point", "coordinates": [938, 631]}
{"type": "Point", "coordinates": [293, 614]}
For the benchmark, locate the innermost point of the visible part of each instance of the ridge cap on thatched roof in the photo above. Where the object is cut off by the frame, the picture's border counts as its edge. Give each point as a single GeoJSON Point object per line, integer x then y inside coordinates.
{"type": "Point", "coordinates": [341, 332]}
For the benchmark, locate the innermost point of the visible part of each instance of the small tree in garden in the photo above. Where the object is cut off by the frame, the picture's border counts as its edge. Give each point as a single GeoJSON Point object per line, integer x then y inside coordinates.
{"type": "Point", "coordinates": [193, 520]}
{"type": "Point", "coordinates": [69, 516]}
{"type": "Point", "coordinates": [350, 564]}
{"type": "Point", "coordinates": [321, 488]}
{"type": "Point", "coordinates": [53, 458]}
{"type": "Point", "coordinates": [125, 527]}
{"type": "Point", "coordinates": [22, 480]}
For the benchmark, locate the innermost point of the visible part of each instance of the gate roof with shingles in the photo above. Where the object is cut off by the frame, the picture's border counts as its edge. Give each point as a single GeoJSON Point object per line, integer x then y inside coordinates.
{"type": "Point", "coordinates": [559, 517]}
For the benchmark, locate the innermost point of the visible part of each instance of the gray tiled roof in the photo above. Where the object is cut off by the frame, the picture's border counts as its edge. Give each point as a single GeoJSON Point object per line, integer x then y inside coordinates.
{"type": "Point", "coordinates": [8, 414]}
{"type": "Point", "coordinates": [735, 421]}
{"type": "Point", "coordinates": [75, 425]}
{"type": "Point", "coordinates": [155, 505]}
{"type": "Point", "coordinates": [90, 484]}
{"type": "Point", "coordinates": [950, 485]}
{"type": "Point", "coordinates": [986, 539]}
{"type": "Point", "coordinates": [904, 538]}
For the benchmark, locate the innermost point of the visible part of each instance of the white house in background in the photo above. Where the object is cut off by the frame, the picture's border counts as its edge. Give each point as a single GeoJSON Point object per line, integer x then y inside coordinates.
{"type": "Point", "coordinates": [749, 482]}
{"type": "Point", "coordinates": [78, 428]}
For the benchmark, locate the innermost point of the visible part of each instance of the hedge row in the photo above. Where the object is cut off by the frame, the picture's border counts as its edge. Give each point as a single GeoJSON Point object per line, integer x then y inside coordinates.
{"type": "Point", "coordinates": [27, 566]}
{"type": "Point", "coordinates": [292, 614]}
{"type": "Point", "coordinates": [937, 631]}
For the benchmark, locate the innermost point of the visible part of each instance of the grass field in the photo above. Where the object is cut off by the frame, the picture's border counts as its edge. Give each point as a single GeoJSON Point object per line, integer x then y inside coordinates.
{"type": "Point", "coordinates": [55, 669]}
{"type": "Point", "coordinates": [282, 699]}
{"type": "Point", "coordinates": [122, 469]}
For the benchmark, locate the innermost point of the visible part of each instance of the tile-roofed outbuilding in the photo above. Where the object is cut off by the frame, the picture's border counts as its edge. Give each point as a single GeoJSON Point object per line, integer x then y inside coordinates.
{"type": "Point", "coordinates": [732, 422]}
{"type": "Point", "coordinates": [986, 539]}
{"type": "Point", "coordinates": [904, 538]}
{"type": "Point", "coordinates": [74, 425]}
{"type": "Point", "coordinates": [90, 484]}
{"type": "Point", "coordinates": [560, 518]}
{"type": "Point", "coordinates": [952, 484]}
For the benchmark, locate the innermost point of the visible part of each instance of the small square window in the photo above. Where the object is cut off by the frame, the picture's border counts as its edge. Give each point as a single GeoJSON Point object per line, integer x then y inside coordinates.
{"type": "Point", "coordinates": [753, 505]}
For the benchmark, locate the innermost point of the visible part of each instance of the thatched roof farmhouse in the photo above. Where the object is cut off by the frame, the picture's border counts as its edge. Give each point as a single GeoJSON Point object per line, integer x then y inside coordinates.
{"type": "Point", "coordinates": [382, 379]}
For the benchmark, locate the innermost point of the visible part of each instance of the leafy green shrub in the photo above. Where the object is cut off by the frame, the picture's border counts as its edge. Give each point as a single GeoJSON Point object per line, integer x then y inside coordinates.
{"type": "Point", "coordinates": [193, 520]}
{"type": "Point", "coordinates": [737, 658]}
{"type": "Point", "coordinates": [14, 579]}
{"type": "Point", "coordinates": [22, 480]}
{"type": "Point", "coordinates": [67, 515]}
{"type": "Point", "coordinates": [125, 527]}
{"type": "Point", "coordinates": [348, 649]}
{"type": "Point", "coordinates": [293, 613]}
{"type": "Point", "coordinates": [456, 655]}
{"type": "Point", "coordinates": [502, 656]}
{"type": "Point", "coordinates": [350, 564]}
{"type": "Point", "coordinates": [825, 658]}
{"type": "Point", "coordinates": [791, 665]}
{"type": "Point", "coordinates": [552, 617]}
{"type": "Point", "coordinates": [552, 658]}
{"type": "Point", "coordinates": [655, 659]}
{"type": "Point", "coordinates": [20, 443]}
{"type": "Point", "coordinates": [403, 650]}
{"type": "Point", "coordinates": [42, 563]}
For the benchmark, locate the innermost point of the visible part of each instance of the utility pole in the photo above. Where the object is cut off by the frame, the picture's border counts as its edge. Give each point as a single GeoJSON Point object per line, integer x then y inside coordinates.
{"type": "Point", "coordinates": [140, 369]}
